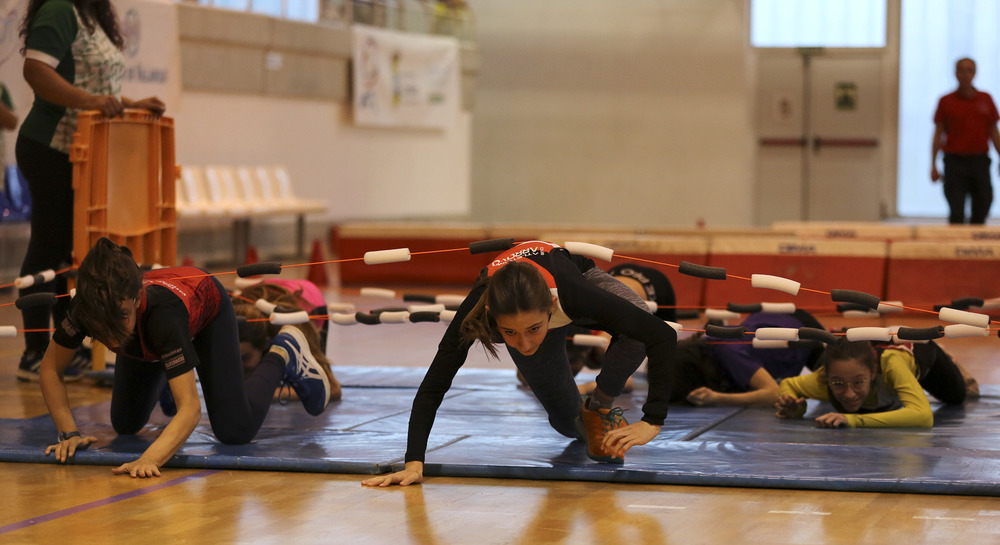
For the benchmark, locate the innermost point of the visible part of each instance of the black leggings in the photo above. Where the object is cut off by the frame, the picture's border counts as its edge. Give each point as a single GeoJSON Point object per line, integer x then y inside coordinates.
{"type": "Point", "coordinates": [967, 177]}
{"type": "Point", "coordinates": [236, 407]}
{"type": "Point", "coordinates": [547, 371]}
{"type": "Point", "coordinates": [938, 373]}
{"type": "Point", "coordinates": [50, 179]}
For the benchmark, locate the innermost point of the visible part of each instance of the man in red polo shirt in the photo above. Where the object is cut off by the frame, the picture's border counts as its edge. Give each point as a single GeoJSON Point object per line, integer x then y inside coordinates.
{"type": "Point", "coordinates": [964, 124]}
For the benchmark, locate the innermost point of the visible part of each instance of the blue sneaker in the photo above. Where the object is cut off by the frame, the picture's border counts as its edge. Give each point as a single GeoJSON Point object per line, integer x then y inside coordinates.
{"type": "Point", "coordinates": [82, 362]}
{"type": "Point", "coordinates": [302, 372]}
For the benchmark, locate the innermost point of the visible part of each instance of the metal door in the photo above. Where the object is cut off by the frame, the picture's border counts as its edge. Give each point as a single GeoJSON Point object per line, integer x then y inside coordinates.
{"type": "Point", "coordinates": [818, 122]}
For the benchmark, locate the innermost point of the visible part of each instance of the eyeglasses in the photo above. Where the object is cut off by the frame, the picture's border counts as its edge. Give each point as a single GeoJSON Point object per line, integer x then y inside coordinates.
{"type": "Point", "coordinates": [856, 385]}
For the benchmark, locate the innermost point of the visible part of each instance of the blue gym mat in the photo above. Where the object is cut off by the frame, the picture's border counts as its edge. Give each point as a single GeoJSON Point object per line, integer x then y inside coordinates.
{"type": "Point", "coordinates": [490, 427]}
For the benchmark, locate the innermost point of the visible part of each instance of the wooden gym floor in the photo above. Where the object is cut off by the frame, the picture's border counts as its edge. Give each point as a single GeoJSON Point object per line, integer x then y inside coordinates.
{"type": "Point", "coordinates": [86, 504]}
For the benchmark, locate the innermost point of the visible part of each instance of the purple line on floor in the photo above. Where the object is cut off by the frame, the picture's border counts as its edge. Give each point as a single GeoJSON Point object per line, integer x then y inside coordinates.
{"type": "Point", "coordinates": [106, 501]}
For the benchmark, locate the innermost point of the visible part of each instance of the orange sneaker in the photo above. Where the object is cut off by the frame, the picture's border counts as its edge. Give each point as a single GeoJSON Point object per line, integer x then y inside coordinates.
{"type": "Point", "coordinates": [593, 424]}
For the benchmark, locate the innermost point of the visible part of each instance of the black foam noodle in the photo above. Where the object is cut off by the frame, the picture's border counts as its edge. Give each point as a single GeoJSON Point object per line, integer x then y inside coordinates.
{"type": "Point", "coordinates": [744, 309]}
{"type": "Point", "coordinates": [264, 267]}
{"type": "Point", "coordinates": [492, 245]}
{"type": "Point", "coordinates": [419, 298]}
{"type": "Point", "coordinates": [920, 333]}
{"type": "Point", "coordinates": [39, 279]}
{"type": "Point", "coordinates": [724, 332]}
{"type": "Point", "coordinates": [816, 334]}
{"type": "Point", "coordinates": [45, 298]}
{"type": "Point", "coordinates": [367, 319]}
{"type": "Point", "coordinates": [240, 320]}
{"type": "Point", "coordinates": [425, 316]}
{"type": "Point", "coordinates": [451, 307]}
{"type": "Point", "coordinates": [701, 271]}
{"type": "Point", "coordinates": [851, 296]}
{"type": "Point", "coordinates": [844, 307]}
{"type": "Point", "coordinates": [965, 302]}
{"type": "Point", "coordinates": [379, 311]}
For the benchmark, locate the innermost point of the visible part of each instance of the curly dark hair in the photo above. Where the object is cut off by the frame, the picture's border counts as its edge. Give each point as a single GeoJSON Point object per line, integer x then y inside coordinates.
{"type": "Point", "coordinates": [99, 12]}
{"type": "Point", "coordinates": [107, 277]}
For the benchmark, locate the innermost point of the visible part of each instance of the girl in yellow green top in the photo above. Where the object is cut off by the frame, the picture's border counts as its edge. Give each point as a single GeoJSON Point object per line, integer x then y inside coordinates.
{"type": "Point", "coordinates": [877, 387]}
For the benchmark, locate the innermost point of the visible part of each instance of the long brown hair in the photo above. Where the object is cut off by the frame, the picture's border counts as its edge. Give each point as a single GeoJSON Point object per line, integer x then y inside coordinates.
{"type": "Point", "coordinates": [99, 12]}
{"type": "Point", "coordinates": [107, 277]}
{"type": "Point", "coordinates": [516, 287]}
{"type": "Point", "coordinates": [259, 332]}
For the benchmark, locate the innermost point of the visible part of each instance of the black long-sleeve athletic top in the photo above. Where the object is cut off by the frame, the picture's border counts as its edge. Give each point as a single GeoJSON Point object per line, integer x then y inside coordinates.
{"type": "Point", "coordinates": [583, 302]}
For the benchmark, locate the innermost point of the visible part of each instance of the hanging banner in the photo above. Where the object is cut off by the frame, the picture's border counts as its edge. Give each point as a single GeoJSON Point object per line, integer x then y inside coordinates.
{"type": "Point", "coordinates": [404, 80]}
{"type": "Point", "coordinates": [152, 51]}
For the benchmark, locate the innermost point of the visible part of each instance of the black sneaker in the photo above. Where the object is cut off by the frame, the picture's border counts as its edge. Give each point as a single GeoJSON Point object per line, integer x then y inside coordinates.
{"type": "Point", "coordinates": [27, 370]}
{"type": "Point", "coordinates": [31, 362]}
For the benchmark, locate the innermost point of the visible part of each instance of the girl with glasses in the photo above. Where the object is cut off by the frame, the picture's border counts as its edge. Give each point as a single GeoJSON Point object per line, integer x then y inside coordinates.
{"type": "Point", "coordinates": [877, 386]}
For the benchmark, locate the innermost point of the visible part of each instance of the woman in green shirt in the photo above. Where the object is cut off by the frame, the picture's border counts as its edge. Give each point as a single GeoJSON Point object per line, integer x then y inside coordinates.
{"type": "Point", "coordinates": [73, 62]}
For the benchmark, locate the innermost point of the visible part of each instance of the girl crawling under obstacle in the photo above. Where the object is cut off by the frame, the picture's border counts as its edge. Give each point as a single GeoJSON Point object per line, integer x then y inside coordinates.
{"type": "Point", "coordinates": [526, 298]}
{"type": "Point", "coordinates": [164, 325]}
{"type": "Point", "coordinates": [257, 335]}
{"type": "Point", "coordinates": [877, 386]}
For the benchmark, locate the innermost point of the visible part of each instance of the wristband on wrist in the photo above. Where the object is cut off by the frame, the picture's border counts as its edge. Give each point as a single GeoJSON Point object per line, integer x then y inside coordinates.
{"type": "Point", "coordinates": [65, 435]}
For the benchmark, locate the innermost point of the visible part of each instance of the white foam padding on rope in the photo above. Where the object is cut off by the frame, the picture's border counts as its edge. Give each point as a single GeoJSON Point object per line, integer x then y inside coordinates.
{"type": "Point", "coordinates": [344, 318]}
{"type": "Point", "coordinates": [381, 293]}
{"type": "Point", "coordinates": [394, 317]}
{"type": "Point", "coordinates": [882, 334]}
{"type": "Point", "coordinates": [778, 308]}
{"type": "Point", "coordinates": [720, 314]}
{"type": "Point", "coordinates": [889, 306]}
{"type": "Point", "coordinates": [761, 343]}
{"type": "Point", "coordinates": [247, 282]}
{"type": "Point", "coordinates": [774, 283]}
{"type": "Point", "coordinates": [449, 299]}
{"type": "Point", "coordinates": [673, 325]}
{"type": "Point", "coordinates": [8, 331]}
{"type": "Point", "coordinates": [340, 307]}
{"type": "Point", "coordinates": [990, 304]}
{"type": "Point", "coordinates": [426, 308]}
{"type": "Point", "coordinates": [447, 316]}
{"type": "Point", "coordinates": [48, 275]}
{"type": "Point", "coordinates": [72, 293]}
{"type": "Point", "coordinates": [24, 282]}
{"type": "Point", "coordinates": [777, 334]}
{"type": "Point", "coordinates": [265, 306]}
{"type": "Point", "coordinates": [964, 330]}
{"type": "Point", "coordinates": [582, 339]}
{"type": "Point", "coordinates": [290, 318]}
{"type": "Point", "coordinates": [964, 317]}
{"type": "Point", "coordinates": [590, 250]}
{"type": "Point", "coordinates": [653, 307]}
{"type": "Point", "coordinates": [396, 255]}
{"type": "Point", "coordinates": [861, 314]}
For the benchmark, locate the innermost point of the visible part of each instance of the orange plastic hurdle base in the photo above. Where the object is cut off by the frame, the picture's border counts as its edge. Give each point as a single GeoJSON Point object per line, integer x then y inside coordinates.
{"type": "Point", "coordinates": [124, 183]}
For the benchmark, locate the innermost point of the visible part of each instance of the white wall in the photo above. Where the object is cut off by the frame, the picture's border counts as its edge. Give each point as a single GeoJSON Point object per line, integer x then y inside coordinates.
{"type": "Point", "coordinates": [634, 112]}
{"type": "Point", "coordinates": [361, 173]}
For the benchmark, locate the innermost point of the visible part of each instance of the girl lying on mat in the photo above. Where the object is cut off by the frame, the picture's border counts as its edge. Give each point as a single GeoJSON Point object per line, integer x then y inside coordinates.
{"type": "Point", "coordinates": [257, 334]}
{"type": "Point", "coordinates": [877, 386]}
{"type": "Point", "coordinates": [716, 372]}
{"type": "Point", "coordinates": [526, 298]}
{"type": "Point", "coordinates": [165, 324]}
